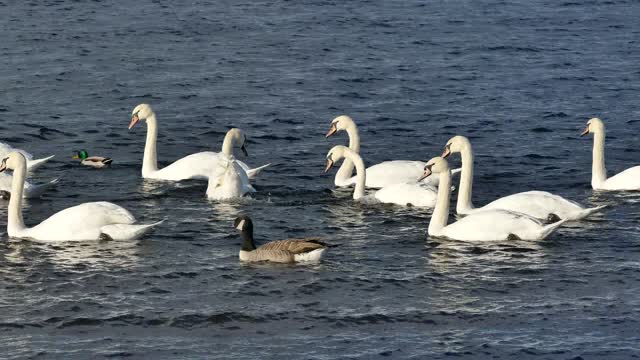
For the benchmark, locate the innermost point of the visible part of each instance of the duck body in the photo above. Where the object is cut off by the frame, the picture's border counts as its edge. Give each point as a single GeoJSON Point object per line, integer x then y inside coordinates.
{"type": "Point", "coordinates": [92, 161]}
{"type": "Point", "coordinates": [280, 251]}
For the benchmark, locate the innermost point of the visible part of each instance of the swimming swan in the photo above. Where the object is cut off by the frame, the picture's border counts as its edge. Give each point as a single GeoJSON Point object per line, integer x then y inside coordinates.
{"type": "Point", "coordinates": [488, 225]}
{"type": "Point", "coordinates": [32, 163]}
{"type": "Point", "coordinates": [88, 221]}
{"type": "Point", "coordinates": [538, 204]}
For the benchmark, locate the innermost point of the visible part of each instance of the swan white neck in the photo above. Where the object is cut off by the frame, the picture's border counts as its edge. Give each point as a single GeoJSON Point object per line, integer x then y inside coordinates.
{"type": "Point", "coordinates": [440, 214]}
{"type": "Point", "coordinates": [15, 222]}
{"type": "Point", "coordinates": [598, 170]}
{"type": "Point", "coordinates": [464, 204]}
{"type": "Point", "coordinates": [355, 158]}
{"type": "Point", "coordinates": [346, 169]}
{"type": "Point", "coordinates": [150, 160]}
{"type": "Point", "coordinates": [227, 144]}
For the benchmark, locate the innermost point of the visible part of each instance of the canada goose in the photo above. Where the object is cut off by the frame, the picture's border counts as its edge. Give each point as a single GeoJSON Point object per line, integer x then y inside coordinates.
{"type": "Point", "coordinates": [280, 251]}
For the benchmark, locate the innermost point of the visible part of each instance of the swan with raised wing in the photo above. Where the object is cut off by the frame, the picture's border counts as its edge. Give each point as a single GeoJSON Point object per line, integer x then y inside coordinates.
{"type": "Point", "coordinates": [32, 163]}
{"type": "Point", "coordinates": [88, 221]}
{"type": "Point", "coordinates": [488, 225]}
{"type": "Point", "coordinates": [626, 180]}
{"type": "Point", "coordinates": [195, 166]}
{"type": "Point", "coordinates": [405, 194]}
{"type": "Point", "coordinates": [538, 204]}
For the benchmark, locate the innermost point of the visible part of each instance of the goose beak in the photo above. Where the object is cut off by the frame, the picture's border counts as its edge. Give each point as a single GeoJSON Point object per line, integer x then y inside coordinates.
{"type": "Point", "coordinates": [426, 174]}
{"type": "Point", "coordinates": [446, 152]}
{"type": "Point", "coordinates": [332, 130]}
{"type": "Point", "coordinates": [585, 132]}
{"type": "Point", "coordinates": [134, 121]}
{"type": "Point", "coordinates": [244, 150]}
{"type": "Point", "coordinates": [329, 165]}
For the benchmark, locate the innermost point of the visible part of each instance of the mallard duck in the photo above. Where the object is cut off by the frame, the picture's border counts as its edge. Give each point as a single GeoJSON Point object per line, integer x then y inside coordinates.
{"type": "Point", "coordinates": [93, 161]}
{"type": "Point", "coordinates": [280, 251]}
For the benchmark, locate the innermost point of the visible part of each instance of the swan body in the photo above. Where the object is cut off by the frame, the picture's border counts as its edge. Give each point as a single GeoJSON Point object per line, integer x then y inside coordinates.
{"type": "Point", "coordinates": [410, 193]}
{"type": "Point", "coordinates": [538, 204]}
{"type": "Point", "coordinates": [88, 221]}
{"type": "Point", "coordinates": [486, 225]}
{"type": "Point", "coordinates": [32, 163]}
{"type": "Point", "coordinates": [30, 190]}
{"type": "Point", "coordinates": [628, 179]}
{"type": "Point", "coordinates": [229, 181]}
{"type": "Point", "coordinates": [280, 251]}
{"type": "Point", "coordinates": [379, 175]}
{"type": "Point", "coordinates": [195, 166]}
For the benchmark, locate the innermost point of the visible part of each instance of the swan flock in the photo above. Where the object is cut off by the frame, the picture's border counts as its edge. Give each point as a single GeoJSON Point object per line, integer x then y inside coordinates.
{"type": "Point", "coordinates": [530, 215]}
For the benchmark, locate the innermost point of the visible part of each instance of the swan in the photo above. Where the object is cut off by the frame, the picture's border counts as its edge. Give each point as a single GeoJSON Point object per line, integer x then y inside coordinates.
{"type": "Point", "coordinates": [379, 175]}
{"type": "Point", "coordinates": [487, 225]}
{"type": "Point", "coordinates": [30, 190]}
{"type": "Point", "coordinates": [415, 194]}
{"type": "Point", "coordinates": [627, 180]}
{"type": "Point", "coordinates": [88, 221]}
{"type": "Point", "coordinates": [538, 204]}
{"type": "Point", "coordinates": [32, 163]}
{"type": "Point", "coordinates": [280, 251]}
{"type": "Point", "coordinates": [228, 181]}
{"type": "Point", "coordinates": [195, 166]}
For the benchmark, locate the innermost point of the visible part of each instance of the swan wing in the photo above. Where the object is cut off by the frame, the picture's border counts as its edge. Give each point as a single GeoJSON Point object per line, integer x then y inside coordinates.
{"type": "Point", "coordinates": [538, 204]}
{"type": "Point", "coordinates": [627, 180]}
{"type": "Point", "coordinates": [195, 166]}
{"type": "Point", "coordinates": [404, 194]}
{"type": "Point", "coordinates": [494, 225]}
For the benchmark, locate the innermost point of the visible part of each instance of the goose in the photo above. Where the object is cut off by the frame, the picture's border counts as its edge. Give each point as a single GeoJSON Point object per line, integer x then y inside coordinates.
{"type": "Point", "coordinates": [32, 164]}
{"type": "Point", "coordinates": [229, 181]}
{"type": "Point", "coordinates": [378, 175]}
{"type": "Point", "coordinates": [538, 204]}
{"type": "Point", "coordinates": [92, 161]}
{"type": "Point", "coordinates": [195, 166]}
{"type": "Point", "coordinates": [627, 180]}
{"type": "Point", "coordinates": [31, 191]}
{"type": "Point", "coordinates": [415, 194]}
{"type": "Point", "coordinates": [88, 221]}
{"type": "Point", "coordinates": [487, 225]}
{"type": "Point", "coordinates": [279, 251]}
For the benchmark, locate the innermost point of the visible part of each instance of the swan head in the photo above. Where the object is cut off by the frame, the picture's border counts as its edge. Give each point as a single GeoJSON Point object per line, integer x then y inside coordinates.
{"type": "Point", "coordinates": [238, 136]}
{"type": "Point", "coordinates": [342, 122]}
{"type": "Point", "coordinates": [455, 145]}
{"type": "Point", "coordinates": [140, 112]}
{"type": "Point", "coordinates": [434, 166]}
{"type": "Point", "coordinates": [334, 155]}
{"type": "Point", "coordinates": [12, 161]}
{"type": "Point", "coordinates": [594, 125]}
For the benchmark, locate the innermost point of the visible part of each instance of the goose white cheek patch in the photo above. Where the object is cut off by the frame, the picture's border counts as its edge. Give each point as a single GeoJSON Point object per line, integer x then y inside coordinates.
{"type": "Point", "coordinates": [240, 225]}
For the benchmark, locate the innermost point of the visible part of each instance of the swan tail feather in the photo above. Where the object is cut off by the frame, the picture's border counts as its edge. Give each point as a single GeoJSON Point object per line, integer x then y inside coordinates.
{"type": "Point", "coordinates": [587, 212]}
{"type": "Point", "coordinates": [549, 229]}
{"type": "Point", "coordinates": [36, 191]}
{"type": "Point", "coordinates": [252, 173]}
{"type": "Point", "coordinates": [456, 171]}
{"type": "Point", "coordinates": [34, 164]}
{"type": "Point", "coordinates": [128, 231]}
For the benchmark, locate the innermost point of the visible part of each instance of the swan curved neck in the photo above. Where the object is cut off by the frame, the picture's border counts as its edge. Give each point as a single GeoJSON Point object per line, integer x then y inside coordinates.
{"type": "Point", "coordinates": [227, 144]}
{"type": "Point", "coordinates": [150, 160]}
{"type": "Point", "coordinates": [346, 169]}
{"type": "Point", "coordinates": [464, 204]}
{"type": "Point", "coordinates": [15, 221]}
{"type": "Point", "coordinates": [361, 179]}
{"type": "Point", "coordinates": [441, 211]}
{"type": "Point", "coordinates": [598, 170]}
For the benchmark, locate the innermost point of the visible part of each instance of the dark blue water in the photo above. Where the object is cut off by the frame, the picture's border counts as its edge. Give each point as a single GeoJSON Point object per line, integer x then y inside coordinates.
{"type": "Point", "coordinates": [519, 78]}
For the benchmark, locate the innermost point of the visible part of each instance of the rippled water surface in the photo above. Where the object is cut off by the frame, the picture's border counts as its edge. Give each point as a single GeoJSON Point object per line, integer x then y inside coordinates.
{"type": "Point", "coordinates": [519, 78]}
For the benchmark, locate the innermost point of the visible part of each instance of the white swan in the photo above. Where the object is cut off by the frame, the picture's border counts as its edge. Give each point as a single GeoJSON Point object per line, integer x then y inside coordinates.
{"type": "Point", "coordinates": [228, 181]}
{"type": "Point", "coordinates": [627, 180]}
{"type": "Point", "coordinates": [88, 221]}
{"type": "Point", "coordinates": [32, 163]}
{"type": "Point", "coordinates": [538, 204]}
{"type": "Point", "coordinates": [415, 194]}
{"type": "Point", "coordinates": [30, 190]}
{"type": "Point", "coordinates": [195, 166]}
{"type": "Point", "coordinates": [379, 175]}
{"type": "Point", "coordinates": [488, 225]}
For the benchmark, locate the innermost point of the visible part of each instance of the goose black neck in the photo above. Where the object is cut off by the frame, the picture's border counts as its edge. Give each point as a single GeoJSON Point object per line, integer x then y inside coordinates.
{"type": "Point", "coordinates": [247, 238]}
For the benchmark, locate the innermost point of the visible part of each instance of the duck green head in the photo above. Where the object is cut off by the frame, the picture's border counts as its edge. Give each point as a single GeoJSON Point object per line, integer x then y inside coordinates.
{"type": "Point", "coordinates": [82, 154]}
